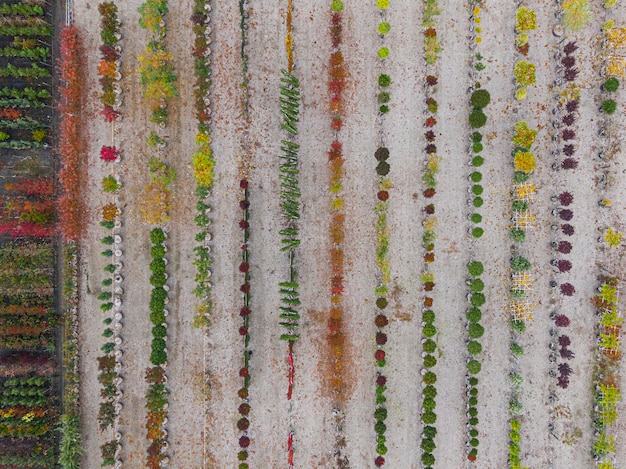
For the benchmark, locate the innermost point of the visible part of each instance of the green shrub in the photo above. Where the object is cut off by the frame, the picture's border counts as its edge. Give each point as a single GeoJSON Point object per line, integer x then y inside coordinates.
{"type": "Point", "coordinates": [473, 367]}
{"type": "Point", "coordinates": [477, 147]}
{"type": "Point", "coordinates": [107, 348]}
{"type": "Point", "coordinates": [381, 449]}
{"type": "Point", "coordinates": [474, 442]}
{"type": "Point", "coordinates": [476, 218]}
{"type": "Point", "coordinates": [384, 80]}
{"type": "Point", "coordinates": [110, 268]}
{"type": "Point", "coordinates": [380, 414]}
{"type": "Point", "coordinates": [477, 202]}
{"type": "Point", "coordinates": [473, 314]}
{"type": "Point", "coordinates": [382, 169]}
{"type": "Point", "coordinates": [429, 417]}
{"type": "Point", "coordinates": [158, 251]}
{"type": "Point", "coordinates": [384, 109]}
{"type": "Point", "coordinates": [108, 332]}
{"type": "Point", "coordinates": [477, 118]}
{"type": "Point", "coordinates": [476, 285]}
{"type": "Point", "coordinates": [428, 459]}
{"type": "Point", "coordinates": [473, 421]}
{"type": "Point", "coordinates": [429, 378]}
{"type": "Point", "coordinates": [473, 401]}
{"type": "Point", "coordinates": [107, 253]}
{"type": "Point", "coordinates": [516, 379]}
{"type": "Point", "coordinates": [475, 331]}
{"type": "Point", "coordinates": [383, 97]}
{"type": "Point", "coordinates": [477, 189]}
{"type": "Point", "coordinates": [473, 391]}
{"type": "Point", "coordinates": [608, 106]}
{"type": "Point", "coordinates": [109, 225]}
{"type": "Point", "coordinates": [428, 316]}
{"type": "Point", "coordinates": [429, 392]}
{"type": "Point", "coordinates": [429, 346]}
{"type": "Point", "coordinates": [157, 265]}
{"type": "Point", "coordinates": [612, 84]}
{"type": "Point", "coordinates": [429, 361]}
{"type": "Point", "coordinates": [520, 263]}
{"type": "Point", "coordinates": [518, 326]}
{"type": "Point", "coordinates": [107, 240]}
{"type": "Point", "coordinates": [516, 349]}
{"type": "Point", "coordinates": [519, 206]}
{"type": "Point", "coordinates": [337, 6]}
{"type": "Point", "coordinates": [515, 407]}
{"type": "Point", "coordinates": [518, 234]}
{"type": "Point", "coordinates": [430, 432]}
{"type": "Point", "coordinates": [477, 232]}
{"type": "Point", "coordinates": [107, 282]}
{"type": "Point", "coordinates": [107, 321]}
{"type": "Point", "coordinates": [480, 98]}
{"type": "Point", "coordinates": [380, 428]}
{"type": "Point", "coordinates": [429, 404]}
{"type": "Point", "coordinates": [105, 295]}
{"type": "Point", "coordinates": [157, 236]}
{"type": "Point", "coordinates": [476, 176]}
{"type": "Point", "coordinates": [159, 331]}
{"type": "Point", "coordinates": [106, 306]}
{"type": "Point", "coordinates": [429, 330]}
{"type": "Point", "coordinates": [475, 268]}
{"type": "Point", "coordinates": [477, 137]}
{"type": "Point", "coordinates": [518, 293]}
{"type": "Point", "coordinates": [520, 177]}
{"type": "Point", "coordinates": [432, 105]}
{"type": "Point", "coordinates": [473, 432]}
{"type": "Point", "coordinates": [474, 348]}
{"type": "Point", "coordinates": [428, 445]}
{"type": "Point", "coordinates": [477, 161]}
{"type": "Point", "coordinates": [473, 411]}
{"type": "Point", "coordinates": [473, 381]}
{"type": "Point", "coordinates": [477, 299]}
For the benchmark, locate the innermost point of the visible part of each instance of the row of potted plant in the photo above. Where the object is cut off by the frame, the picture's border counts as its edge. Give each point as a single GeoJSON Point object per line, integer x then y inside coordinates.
{"type": "Point", "coordinates": [431, 167]}
{"type": "Point", "coordinates": [22, 9]}
{"type": "Point", "coordinates": [290, 211]}
{"type": "Point", "coordinates": [71, 146]}
{"type": "Point", "coordinates": [383, 274]}
{"type": "Point", "coordinates": [524, 164]}
{"type": "Point", "coordinates": [109, 67]}
{"type": "Point", "coordinates": [70, 448]}
{"type": "Point", "coordinates": [336, 334]}
{"type": "Point", "coordinates": [202, 159]}
{"type": "Point", "coordinates": [479, 100]}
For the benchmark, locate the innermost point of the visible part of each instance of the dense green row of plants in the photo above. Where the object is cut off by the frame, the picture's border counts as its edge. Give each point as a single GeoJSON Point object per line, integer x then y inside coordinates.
{"type": "Point", "coordinates": [156, 396]}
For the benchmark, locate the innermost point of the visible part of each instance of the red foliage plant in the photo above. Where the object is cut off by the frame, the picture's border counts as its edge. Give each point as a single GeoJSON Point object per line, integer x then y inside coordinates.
{"type": "Point", "coordinates": [564, 247]}
{"type": "Point", "coordinates": [561, 320]}
{"type": "Point", "coordinates": [568, 134]}
{"type": "Point", "coordinates": [562, 382]}
{"type": "Point", "coordinates": [568, 61]}
{"type": "Point", "coordinates": [568, 150]}
{"type": "Point", "coordinates": [429, 136]}
{"type": "Point", "coordinates": [572, 106]}
{"type": "Point", "coordinates": [570, 48]}
{"type": "Point", "coordinates": [71, 147]}
{"type": "Point", "coordinates": [108, 153]}
{"type": "Point", "coordinates": [564, 341]}
{"type": "Point", "coordinates": [109, 114]}
{"type": "Point", "coordinates": [565, 369]}
{"type": "Point", "coordinates": [567, 229]}
{"type": "Point", "coordinates": [570, 74]}
{"type": "Point", "coordinates": [566, 214]}
{"type": "Point", "coordinates": [569, 163]}
{"type": "Point", "coordinates": [565, 198]}
{"type": "Point", "coordinates": [567, 289]}
{"type": "Point", "coordinates": [564, 265]}
{"type": "Point", "coordinates": [569, 119]}
{"type": "Point", "coordinates": [431, 80]}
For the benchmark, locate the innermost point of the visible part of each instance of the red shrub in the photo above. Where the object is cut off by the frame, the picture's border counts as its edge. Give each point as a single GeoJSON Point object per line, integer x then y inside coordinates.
{"type": "Point", "coordinates": [568, 61]}
{"type": "Point", "coordinates": [109, 153]}
{"type": "Point", "coordinates": [561, 321]}
{"type": "Point", "coordinates": [564, 265]}
{"type": "Point", "coordinates": [564, 341]}
{"type": "Point", "coordinates": [567, 289]}
{"type": "Point", "coordinates": [568, 134]}
{"type": "Point", "coordinates": [569, 119]}
{"type": "Point", "coordinates": [570, 74]}
{"type": "Point", "coordinates": [568, 150]}
{"type": "Point", "coordinates": [562, 382]}
{"type": "Point", "coordinates": [569, 163]}
{"type": "Point", "coordinates": [570, 48]}
{"type": "Point", "coordinates": [566, 214]}
{"type": "Point", "coordinates": [572, 106]}
{"type": "Point", "coordinates": [565, 369]}
{"type": "Point", "coordinates": [566, 198]}
{"type": "Point", "coordinates": [564, 247]}
{"type": "Point", "coordinates": [567, 229]}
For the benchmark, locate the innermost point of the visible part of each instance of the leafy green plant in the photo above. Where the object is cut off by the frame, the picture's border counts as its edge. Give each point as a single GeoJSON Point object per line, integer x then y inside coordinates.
{"type": "Point", "coordinates": [475, 331]}
{"type": "Point", "coordinates": [476, 217]}
{"type": "Point", "coordinates": [477, 161]}
{"type": "Point", "coordinates": [477, 118]}
{"type": "Point", "coordinates": [475, 268]}
{"type": "Point", "coordinates": [516, 349]}
{"type": "Point", "coordinates": [473, 314]}
{"type": "Point", "coordinates": [476, 285]}
{"type": "Point", "coordinates": [474, 348]}
{"type": "Point", "coordinates": [429, 346]}
{"type": "Point", "coordinates": [611, 84]}
{"type": "Point", "coordinates": [518, 326]}
{"type": "Point", "coordinates": [477, 232]}
{"type": "Point", "coordinates": [520, 263]}
{"type": "Point", "coordinates": [477, 137]}
{"type": "Point", "coordinates": [478, 202]}
{"type": "Point", "coordinates": [480, 98]}
{"type": "Point", "coordinates": [609, 106]}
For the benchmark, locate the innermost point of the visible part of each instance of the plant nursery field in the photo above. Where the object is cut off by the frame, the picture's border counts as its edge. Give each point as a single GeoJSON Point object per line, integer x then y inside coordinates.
{"type": "Point", "coordinates": [312, 234]}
